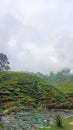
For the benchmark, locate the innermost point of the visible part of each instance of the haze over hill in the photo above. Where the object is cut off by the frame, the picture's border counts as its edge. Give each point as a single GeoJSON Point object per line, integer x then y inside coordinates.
{"type": "Point", "coordinates": [63, 80]}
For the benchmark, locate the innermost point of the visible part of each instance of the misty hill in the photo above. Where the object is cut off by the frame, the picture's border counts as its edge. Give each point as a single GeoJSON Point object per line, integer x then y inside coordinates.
{"type": "Point", "coordinates": [63, 80]}
{"type": "Point", "coordinates": [23, 89]}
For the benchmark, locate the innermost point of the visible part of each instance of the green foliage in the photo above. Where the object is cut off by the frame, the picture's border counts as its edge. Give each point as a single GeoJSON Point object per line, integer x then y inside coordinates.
{"type": "Point", "coordinates": [66, 123]}
{"type": "Point", "coordinates": [21, 89]}
{"type": "Point", "coordinates": [59, 120]}
{"type": "Point", "coordinates": [63, 80]}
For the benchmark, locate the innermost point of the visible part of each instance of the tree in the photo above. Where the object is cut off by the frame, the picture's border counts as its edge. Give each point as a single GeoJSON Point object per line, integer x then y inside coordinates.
{"type": "Point", "coordinates": [52, 74]}
{"type": "Point", "coordinates": [4, 63]}
{"type": "Point", "coordinates": [65, 71]}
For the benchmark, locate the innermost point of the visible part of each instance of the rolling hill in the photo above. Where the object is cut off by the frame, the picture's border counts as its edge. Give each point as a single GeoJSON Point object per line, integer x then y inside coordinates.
{"type": "Point", "coordinates": [19, 89]}
{"type": "Point", "coordinates": [63, 82]}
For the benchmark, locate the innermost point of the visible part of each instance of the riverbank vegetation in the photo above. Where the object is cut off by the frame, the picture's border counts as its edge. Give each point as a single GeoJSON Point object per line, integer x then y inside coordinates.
{"type": "Point", "coordinates": [67, 125]}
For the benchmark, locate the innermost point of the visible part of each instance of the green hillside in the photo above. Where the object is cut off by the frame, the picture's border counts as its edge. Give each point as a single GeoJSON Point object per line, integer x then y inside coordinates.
{"type": "Point", "coordinates": [67, 89]}
{"type": "Point", "coordinates": [19, 89]}
{"type": "Point", "coordinates": [63, 81]}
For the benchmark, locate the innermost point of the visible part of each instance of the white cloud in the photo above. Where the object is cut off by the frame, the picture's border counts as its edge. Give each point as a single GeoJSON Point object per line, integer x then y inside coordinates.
{"type": "Point", "coordinates": [37, 35]}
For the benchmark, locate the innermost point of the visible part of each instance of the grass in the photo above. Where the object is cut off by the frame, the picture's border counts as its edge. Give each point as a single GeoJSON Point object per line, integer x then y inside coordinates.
{"type": "Point", "coordinates": [66, 88]}
{"type": "Point", "coordinates": [66, 125]}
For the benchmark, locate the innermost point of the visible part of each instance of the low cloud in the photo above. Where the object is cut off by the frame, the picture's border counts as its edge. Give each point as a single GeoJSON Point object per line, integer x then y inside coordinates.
{"type": "Point", "coordinates": [37, 35]}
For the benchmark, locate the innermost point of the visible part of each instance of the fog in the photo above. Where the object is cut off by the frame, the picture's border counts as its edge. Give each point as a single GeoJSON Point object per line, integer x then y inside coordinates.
{"type": "Point", "coordinates": [37, 35]}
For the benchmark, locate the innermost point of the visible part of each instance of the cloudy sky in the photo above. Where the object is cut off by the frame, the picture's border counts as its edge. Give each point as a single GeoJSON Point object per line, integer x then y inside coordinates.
{"type": "Point", "coordinates": [37, 35]}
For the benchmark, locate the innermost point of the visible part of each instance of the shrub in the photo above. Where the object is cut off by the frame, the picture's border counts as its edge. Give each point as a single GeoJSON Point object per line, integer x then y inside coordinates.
{"type": "Point", "coordinates": [59, 120]}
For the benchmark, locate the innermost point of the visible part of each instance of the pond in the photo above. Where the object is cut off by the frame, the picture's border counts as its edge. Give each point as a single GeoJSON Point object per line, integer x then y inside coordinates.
{"type": "Point", "coordinates": [28, 120]}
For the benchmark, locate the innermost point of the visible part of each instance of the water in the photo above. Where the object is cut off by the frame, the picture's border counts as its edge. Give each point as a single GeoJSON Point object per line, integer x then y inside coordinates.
{"type": "Point", "coordinates": [28, 120]}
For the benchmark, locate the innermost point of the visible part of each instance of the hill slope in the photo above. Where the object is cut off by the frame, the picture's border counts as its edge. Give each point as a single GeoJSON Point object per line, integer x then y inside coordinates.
{"type": "Point", "coordinates": [23, 89]}
{"type": "Point", "coordinates": [61, 81]}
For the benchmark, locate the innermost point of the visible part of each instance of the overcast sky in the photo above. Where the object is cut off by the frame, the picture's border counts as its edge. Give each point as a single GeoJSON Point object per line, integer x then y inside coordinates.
{"type": "Point", "coordinates": [37, 35]}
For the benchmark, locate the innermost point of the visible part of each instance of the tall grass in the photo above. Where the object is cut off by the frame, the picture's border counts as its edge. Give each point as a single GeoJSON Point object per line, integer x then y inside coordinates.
{"type": "Point", "coordinates": [59, 120]}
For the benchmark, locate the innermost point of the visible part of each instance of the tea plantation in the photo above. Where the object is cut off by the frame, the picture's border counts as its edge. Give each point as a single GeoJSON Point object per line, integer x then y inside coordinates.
{"type": "Point", "coordinates": [19, 90]}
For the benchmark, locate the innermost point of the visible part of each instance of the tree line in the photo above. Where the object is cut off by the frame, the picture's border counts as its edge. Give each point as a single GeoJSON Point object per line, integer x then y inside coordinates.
{"type": "Point", "coordinates": [4, 62]}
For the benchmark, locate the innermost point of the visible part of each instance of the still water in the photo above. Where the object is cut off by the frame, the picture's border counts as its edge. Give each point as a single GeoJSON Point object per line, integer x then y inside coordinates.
{"type": "Point", "coordinates": [28, 120]}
